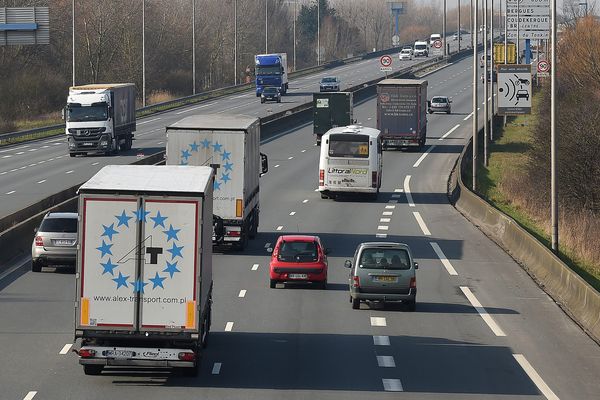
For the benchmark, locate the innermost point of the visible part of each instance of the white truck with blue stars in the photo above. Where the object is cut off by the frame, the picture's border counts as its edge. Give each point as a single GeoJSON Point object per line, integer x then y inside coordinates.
{"type": "Point", "coordinates": [230, 144]}
{"type": "Point", "coordinates": [144, 267]}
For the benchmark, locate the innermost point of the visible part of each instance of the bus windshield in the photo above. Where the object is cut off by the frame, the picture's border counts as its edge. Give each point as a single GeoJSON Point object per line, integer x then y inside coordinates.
{"type": "Point", "coordinates": [349, 145]}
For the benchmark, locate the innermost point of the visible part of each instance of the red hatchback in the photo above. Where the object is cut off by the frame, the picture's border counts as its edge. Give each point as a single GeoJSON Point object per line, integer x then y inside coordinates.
{"type": "Point", "coordinates": [299, 258]}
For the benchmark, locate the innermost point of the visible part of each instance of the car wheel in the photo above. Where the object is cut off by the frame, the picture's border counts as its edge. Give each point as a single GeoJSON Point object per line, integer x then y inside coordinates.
{"type": "Point", "coordinates": [324, 196]}
{"type": "Point", "coordinates": [262, 101]}
{"type": "Point", "coordinates": [36, 266]}
{"type": "Point", "coordinates": [355, 303]}
{"type": "Point", "coordinates": [72, 154]}
{"type": "Point", "coordinates": [412, 305]}
{"type": "Point", "coordinates": [448, 112]}
{"type": "Point", "coordinates": [92, 369]}
{"type": "Point", "coordinates": [323, 285]}
{"type": "Point", "coordinates": [430, 111]}
{"type": "Point", "coordinates": [272, 283]}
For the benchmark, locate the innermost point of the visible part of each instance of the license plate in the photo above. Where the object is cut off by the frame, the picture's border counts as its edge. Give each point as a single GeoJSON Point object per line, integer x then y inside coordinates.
{"type": "Point", "coordinates": [88, 144]}
{"type": "Point", "coordinates": [63, 242]}
{"type": "Point", "coordinates": [386, 279]}
{"type": "Point", "coordinates": [298, 276]}
{"type": "Point", "coordinates": [119, 353]}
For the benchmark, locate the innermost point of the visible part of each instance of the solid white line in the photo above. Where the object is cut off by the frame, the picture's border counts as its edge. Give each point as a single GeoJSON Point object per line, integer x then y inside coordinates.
{"type": "Point", "coordinates": [31, 165]}
{"type": "Point", "coordinates": [195, 108]}
{"type": "Point", "coordinates": [484, 314]}
{"type": "Point", "coordinates": [443, 258]}
{"type": "Point", "coordinates": [381, 340]}
{"type": "Point", "coordinates": [66, 348]}
{"type": "Point", "coordinates": [30, 395]}
{"type": "Point", "coordinates": [42, 181]}
{"type": "Point", "coordinates": [467, 117]}
{"type": "Point", "coordinates": [145, 122]}
{"type": "Point", "coordinates": [305, 201]}
{"type": "Point", "coordinates": [69, 172]}
{"type": "Point", "coordinates": [386, 362]}
{"type": "Point", "coordinates": [216, 368]}
{"type": "Point", "coordinates": [378, 321]}
{"type": "Point", "coordinates": [293, 213]}
{"type": "Point", "coordinates": [407, 191]}
{"type": "Point", "coordinates": [382, 228]}
{"type": "Point", "coordinates": [280, 227]}
{"type": "Point", "coordinates": [392, 385]}
{"type": "Point", "coordinates": [381, 235]}
{"type": "Point", "coordinates": [11, 192]}
{"type": "Point", "coordinates": [390, 207]}
{"type": "Point", "coordinates": [228, 326]}
{"type": "Point", "coordinates": [449, 132]}
{"type": "Point", "coordinates": [254, 267]}
{"type": "Point", "coordinates": [14, 169]}
{"type": "Point", "coordinates": [421, 223]}
{"type": "Point", "coordinates": [384, 219]}
{"type": "Point", "coordinates": [398, 190]}
{"type": "Point", "coordinates": [388, 213]}
{"type": "Point", "coordinates": [242, 293]}
{"type": "Point", "coordinates": [423, 157]}
{"type": "Point", "coordinates": [535, 377]}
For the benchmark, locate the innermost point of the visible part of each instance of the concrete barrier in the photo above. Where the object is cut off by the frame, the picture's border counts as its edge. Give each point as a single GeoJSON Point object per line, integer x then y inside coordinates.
{"type": "Point", "coordinates": [571, 292]}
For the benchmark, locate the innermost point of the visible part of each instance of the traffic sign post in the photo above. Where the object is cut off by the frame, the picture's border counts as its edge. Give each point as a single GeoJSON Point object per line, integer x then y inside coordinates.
{"type": "Point", "coordinates": [438, 48]}
{"type": "Point", "coordinates": [528, 19]}
{"type": "Point", "coordinates": [543, 69]}
{"type": "Point", "coordinates": [386, 63]}
{"type": "Point", "coordinates": [514, 89]}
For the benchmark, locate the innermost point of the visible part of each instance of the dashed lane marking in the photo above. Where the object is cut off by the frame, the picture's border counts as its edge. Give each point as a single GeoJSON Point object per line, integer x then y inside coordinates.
{"type": "Point", "coordinates": [443, 258]}
{"type": "Point", "coordinates": [382, 228]}
{"type": "Point", "coordinates": [421, 223]}
{"type": "Point", "coordinates": [196, 108]}
{"type": "Point", "coordinates": [387, 213]}
{"type": "Point", "coordinates": [11, 192]}
{"type": "Point", "coordinates": [69, 172]}
{"type": "Point", "coordinates": [386, 362]}
{"type": "Point", "coordinates": [386, 220]}
{"type": "Point", "coordinates": [535, 377]}
{"type": "Point", "coordinates": [467, 117]}
{"type": "Point", "coordinates": [291, 158]}
{"type": "Point", "coordinates": [381, 235]}
{"type": "Point", "coordinates": [397, 190]}
{"type": "Point", "coordinates": [293, 213]}
{"type": "Point", "coordinates": [65, 349]}
{"type": "Point", "coordinates": [280, 227]}
{"type": "Point", "coordinates": [276, 166]}
{"type": "Point", "coordinates": [381, 340]}
{"type": "Point", "coordinates": [482, 311]}
{"type": "Point", "coordinates": [254, 267]}
{"type": "Point", "coordinates": [390, 207]}
{"type": "Point", "coordinates": [42, 181]}
{"type": "Point", "coordinates": [378, 321]}
{"type": "Point", "coordinates": [228, 326]}
{"type": "Point", "coordinates": [305, 201]}
{"type": "Point", "coordinates": [216, 368]}
{"type": "Point", "coordinates": [30, 395]}
{"type": "Point", "coordinates": [242, 293]}
{"type": "Point", "coordinates": [392, 385]}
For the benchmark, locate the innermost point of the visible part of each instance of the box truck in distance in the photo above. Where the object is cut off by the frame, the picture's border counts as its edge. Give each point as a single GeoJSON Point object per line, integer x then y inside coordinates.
{"type": "Point", "coordinates": [231, 145]}
{"type": "Point", "coordinates": [100, 118]}
{"type": "Point", "coordinates": [331, 110]}
{"type": "Point", "coordinates": [144, 267]}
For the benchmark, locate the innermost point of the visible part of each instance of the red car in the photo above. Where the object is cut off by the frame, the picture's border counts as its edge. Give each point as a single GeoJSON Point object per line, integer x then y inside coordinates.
{"type": "Point", "coordinates": [299, 258]}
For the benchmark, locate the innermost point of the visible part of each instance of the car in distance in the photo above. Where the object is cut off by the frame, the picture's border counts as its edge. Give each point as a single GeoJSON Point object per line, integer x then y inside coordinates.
{"type": "Point", "coordinates": [298, 258]}
{"type": "Point", "coordinates": [405, 54]}
{"type": "Point", "coordinates": [421, 49]}
{"type": "Point", "coordinates": [55, 241]}
{"type": "Point", "coordinates": [382, 271]}
{"type": "Point", "coordinates": [330, 84]}
{"type": "Point", "coordinates": [270, 93]}
{"type": "Point", "coordinates": [522, 94]}
{"type": "Point", "coordinates": [433, 38]}
{"type": "Point", "coordinates": [440, 104]}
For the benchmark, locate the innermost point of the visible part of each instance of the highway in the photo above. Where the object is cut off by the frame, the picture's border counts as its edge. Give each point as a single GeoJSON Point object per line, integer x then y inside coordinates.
{"type": "Point", "coordinates": [482, 329]}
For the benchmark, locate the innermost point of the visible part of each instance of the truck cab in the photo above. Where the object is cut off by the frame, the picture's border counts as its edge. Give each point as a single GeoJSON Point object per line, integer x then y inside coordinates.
{"type": "Point", "coordinates": [271, 70]}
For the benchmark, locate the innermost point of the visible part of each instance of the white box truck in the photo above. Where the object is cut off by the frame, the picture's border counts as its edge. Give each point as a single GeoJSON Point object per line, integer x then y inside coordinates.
{"type": "Point", "coordinates": [100, 118]}
{"type": "Point", "coordinates": [230, 144]}
{"type": "Point", "coordinates": [144, 267]}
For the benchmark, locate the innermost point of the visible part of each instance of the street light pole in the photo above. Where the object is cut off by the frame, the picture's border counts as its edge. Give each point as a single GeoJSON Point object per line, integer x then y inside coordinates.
{"type": "Point", "coordinates": [295, 17]}
{"type": "Point", "coordinates": [266, 27]}
{"type": "Point", "coordinates": [485, 83]}
{"type": "Point", "coordinates": [458, 25]}
{"type": "Point", "coordinates": [492, 70]}
{"type": "Point", "coordinates": [235, 75]}
{"type": "Point", "coordinates": [471, 22]}
{"type": "Point", "coordinates": [193, 46]}
{"type": "Point", "coordinates": [444, 31]}
{"type": "Point", "coordinates": [475, 115]}
{"type": "Point", "coordinates": [553, 139]}
{"type": "Point", "coordinates": [318, 32]}
{"type": "Point", "coordinates": [73, 40]}
{"type": "Point", "coordinates": [143, 53]}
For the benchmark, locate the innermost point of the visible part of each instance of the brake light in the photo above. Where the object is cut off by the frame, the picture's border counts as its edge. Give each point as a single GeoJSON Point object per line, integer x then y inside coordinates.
{"type": "Point", "coordinates": [87, 353]}
{"type": "Point", "coordinates": [234, 233]}
{"type": "Point", "coordinates": [413, 283]}
{"type": "Point", "coordinates": [186, 356]}
{"type": "Point", "coordinates": [39, 241]}
{"type": "Point", "coordinates": [356, 281]}
{"type": "Point", "coordinates": [321, 177]}
{"type": "Point", "coordinates": [374, 179]}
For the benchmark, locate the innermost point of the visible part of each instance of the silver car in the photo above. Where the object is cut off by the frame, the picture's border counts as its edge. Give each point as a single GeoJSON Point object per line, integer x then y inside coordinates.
{"type": "Point", "coordinates": [55, 241]}
{"type": "Point", "coordinates": [330, 84]}
{"type": "Point", "coordinates": [382, 271]}
{"type": "Point", "coordinates": [440, 104]}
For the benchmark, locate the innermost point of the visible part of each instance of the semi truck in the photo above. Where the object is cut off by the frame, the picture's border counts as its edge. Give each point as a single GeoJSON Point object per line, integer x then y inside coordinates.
{"type": "Point", "coordinates": [231, 145]}
{"type": "Point", "coordinates": [144, 267]}
{"type": "Point", "coordinates": [402, 112]}
{"type": "Point", "coordinates": [331, 110]}
{"type": "Point", "coordinates": [271, 70]}
{"type": "Point", "coordinates": [100, 118]}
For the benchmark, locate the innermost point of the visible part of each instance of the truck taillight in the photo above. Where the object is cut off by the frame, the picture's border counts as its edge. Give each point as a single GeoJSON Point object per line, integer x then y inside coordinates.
{"type": "Point", "coordinates": [413, 283]}
{"type": "Point", "coordinates": [87, 353]}
{"type": "Point", "coordinates": [355, 281]}
{"type": "Point", "coordinates": [374, 179]}
{"type": "Point", "coordinates": [321, 177]}
{"type": "Point", "coordinates": [39, 241]}
{"type": "Point", "coordinates": [186, 356]}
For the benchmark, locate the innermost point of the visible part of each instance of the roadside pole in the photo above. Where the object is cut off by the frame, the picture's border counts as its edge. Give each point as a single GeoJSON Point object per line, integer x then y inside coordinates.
{"type": "Point", "coordinates": [492, 71]}
{"type": "Point", "coordinates": [553, 147]}
{"type": "Point", "coordinates": [475, 80]}
{"type": "Point", "coordinates": [485, 83]}
{"type": "Point", "coordinates": [505, 43]}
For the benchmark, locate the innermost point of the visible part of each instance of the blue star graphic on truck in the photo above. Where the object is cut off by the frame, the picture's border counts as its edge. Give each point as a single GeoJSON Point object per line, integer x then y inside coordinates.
{"type": "Point", "coordinates": [154, 224]}
{"type": "Point", "coordinates": [225, 156]}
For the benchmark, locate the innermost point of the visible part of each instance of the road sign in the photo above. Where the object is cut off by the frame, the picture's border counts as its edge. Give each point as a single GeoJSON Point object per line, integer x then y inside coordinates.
{"type": "Point", "coordinates": [437, 48]}
{"type": "Point", "coordinates": [532, 16]}
{"type": "Point", "coordinates": [385, 61]}
{"type": "Point", "coordinates": [514, 89]}
{"type": "Point", "coordinates": [543, 66]}
{"type": "Point", "coordinates": [395, 40]}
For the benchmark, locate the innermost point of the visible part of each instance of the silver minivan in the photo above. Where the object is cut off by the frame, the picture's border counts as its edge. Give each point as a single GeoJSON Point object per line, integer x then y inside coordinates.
{"type": "Point", "coordinates": [382, 271]}
{"type": "Point", "coordinates": [55, 241]}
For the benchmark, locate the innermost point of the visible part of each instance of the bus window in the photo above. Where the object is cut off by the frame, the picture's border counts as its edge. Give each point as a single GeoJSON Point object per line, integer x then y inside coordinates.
{"type": "Point", "coordinates": [351, 146]}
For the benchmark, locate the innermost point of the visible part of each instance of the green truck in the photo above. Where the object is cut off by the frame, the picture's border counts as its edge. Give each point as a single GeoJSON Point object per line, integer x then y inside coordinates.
{"type": "Point", "coordinates": [331, 110]}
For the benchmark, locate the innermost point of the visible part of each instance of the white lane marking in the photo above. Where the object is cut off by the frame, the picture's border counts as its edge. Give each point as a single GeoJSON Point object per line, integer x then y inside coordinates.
{"type": "Point", "coordinates": [420, 160]}
{"type": "Point", "coordinates": [11, 192]}
{"type": "Point", "coordinates": [467, 117]}
{"type": "Point", "coordinates": [30, 395]}
{"type": "Point", "coordinates": [303, 151]}
{"type": "Point", "coordinates": [396, 196]}
{"type": "Point", "coordinates": [276, 166]}
{"type": "Point", "coordinates": [390, 207]}
{"type": "Point", "coordinates": [267, 245]}
{"type": "Point", "coordinates": [23, 167]}
{"type": "Point", "coordinates": [21, 152]}
{"type": "Point", "coordinates": [66, 348]}
{"type": "Point", "coordinates": [449, 132]}
{"type": "Point", "coordinates": [216, 368]}
{"type": "Point", "coordinates": [393, 201]}
{"type": "Point", "coordinates": [32, 165]}
{"type": "Point", "coordinates": [96, 163]}
{"type": "Point", "coordinates": [14, 169]}
{"type": "Point", "coordinates": [381, 235]}
{"type": "Point", "coordinates": [291, 158]}
{"type": "Point", "coordinates": [196, 108]}
{"type": "Point", "coordinates": [161, 142]}
{"type": "Point", "coordinates": [228, 326]}
{"type": "Point", "coordinates": [305, 201]}
{"type": "Point", "coordinates": [69, 172]}
{"type": "Point", "coordinates": [535, 377]}
{"type": "Point", "coordinates": [381, 340]}
{"type": "Point", "coordinates": [378, 321]}
{"type": "Point", "coordinates": [421, 223]}
{"type": "Point", "coordinates": [482, 311]}
{"type": "Point", "coordinates": [387, 213]}
{"type": "Point", "coordinates": [386, 362]}
{"type": "Point", "coordinates": [392, 385]}
{"type": "Point", "coordinates": [41, 162]}
{"type": "Point", "coordinates": [9, 156]}
{"type": "Point", "coordinates": [398, 190]}
{"type": "Point", "coordinates": [254, 267]}
{"type": "Point", "coordinates": [42, 181]}
{"type": "Point", "coordinates": [384, 220]}
{"type": "Point", "coordinates": [407, 191]}
{"type": "Point", "coordinates": [293, 213]}
{"type": "Point", "coordinates": [145, 122]}
{"type": "Point", "coordinates": [443, 258]}
{"type": "Point", "coordinates": [242, 293]}
{"type": "Point", "coordinates": [382, 228]}
{"type": "Point", "coordinates": [280, 227]}
{"type": "Point", "coordinates": [32, 150]}
{"type": "Point", "coordinates": [317, 189]}
{"type": "Point", "coordinates": [57, 144]}
{"type": "Point", "coordinates": [240, 96]}
{"type": "Point", "coordinates": [3, 173]}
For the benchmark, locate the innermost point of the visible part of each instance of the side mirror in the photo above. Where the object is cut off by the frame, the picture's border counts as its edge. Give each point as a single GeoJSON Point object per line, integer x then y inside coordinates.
{"type": "Point", "coordinates": [327, 251]}
{"type": "Point", "coordinates": [63, 113]}
{"type": "Point", "coordinates": [264, 164]}
{"type": "Point", "coordinates": [416, 264]}
{"type": "Point", "coordinates": [348, 264]}
{"type": "Point", "coordinates": [428, 103]}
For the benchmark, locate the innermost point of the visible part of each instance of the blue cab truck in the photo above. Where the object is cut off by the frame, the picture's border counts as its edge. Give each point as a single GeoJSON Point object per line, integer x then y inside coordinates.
{"type": "Point", "coordinates": [271, 70]}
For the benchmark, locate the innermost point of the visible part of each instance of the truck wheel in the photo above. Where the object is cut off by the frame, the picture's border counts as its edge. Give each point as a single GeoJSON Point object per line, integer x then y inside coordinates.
{"type": "Point", "coordinates": [254, 228]}
{"type": "Point", "coordinates": [412, 305]}
{"type": "Point", "coordinates": [72, 154]}
{"type": "Point", "coordinates": [92, 369]}
{"type": "Point", "coordinates": [36, 266]}
{"type": "Point", "coordinates": [324, 196]}
{"type": "Point", "coordinates": [206, 328]}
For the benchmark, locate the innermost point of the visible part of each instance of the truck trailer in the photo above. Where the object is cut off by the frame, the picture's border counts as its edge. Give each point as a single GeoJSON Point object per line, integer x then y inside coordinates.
{"type": "Point", "coordinates": [144, 267]}
{"type": "Point", "coordinates": [402, 112]}
{"type": "Point", "coordinates": [271, 70]}
{"type": "Point", "coordinates": [331, 110]}
{"type": "Point", "coordinates": [100, 118]}
{"type": "Point", "coordinates": [230, 144]}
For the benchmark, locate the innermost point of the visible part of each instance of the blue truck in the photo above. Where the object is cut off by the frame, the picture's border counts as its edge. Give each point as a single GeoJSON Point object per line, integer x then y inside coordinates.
{"type": "Point", "coordinates": [271, 70]}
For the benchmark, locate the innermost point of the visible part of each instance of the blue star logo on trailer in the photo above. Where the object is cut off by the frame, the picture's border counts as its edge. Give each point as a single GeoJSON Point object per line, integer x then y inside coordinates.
{"type": "Point", "coordinates": [219, 149]}
{"type": "Point", "coordinates": [111, 265]}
